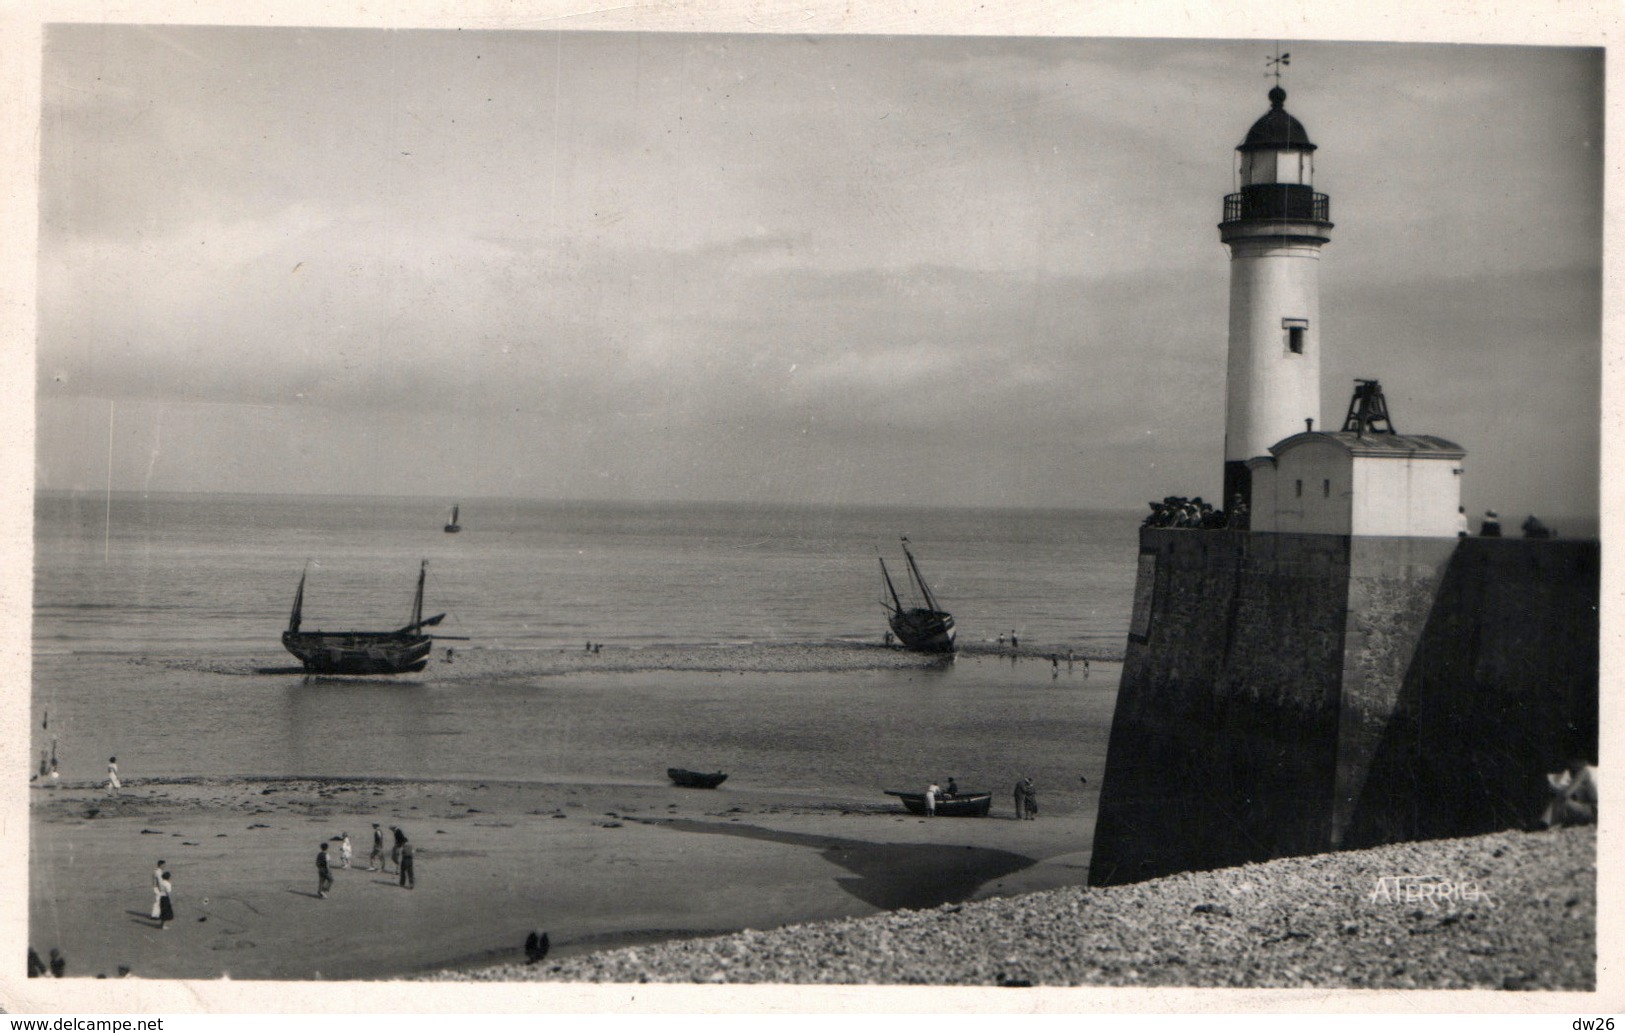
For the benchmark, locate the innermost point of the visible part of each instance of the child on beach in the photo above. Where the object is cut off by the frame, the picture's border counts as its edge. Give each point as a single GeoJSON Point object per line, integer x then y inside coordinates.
{"type": "Point", "coordinates": [344, 850]}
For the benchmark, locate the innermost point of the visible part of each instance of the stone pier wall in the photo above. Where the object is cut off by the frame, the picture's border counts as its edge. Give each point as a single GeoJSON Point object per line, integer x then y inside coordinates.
{"type": "Point", "coordinates": [1288, 694]}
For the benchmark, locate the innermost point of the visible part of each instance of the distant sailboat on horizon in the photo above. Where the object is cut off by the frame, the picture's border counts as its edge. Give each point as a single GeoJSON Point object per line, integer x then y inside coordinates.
{"type": "Point", "coordinates": [452, 526]}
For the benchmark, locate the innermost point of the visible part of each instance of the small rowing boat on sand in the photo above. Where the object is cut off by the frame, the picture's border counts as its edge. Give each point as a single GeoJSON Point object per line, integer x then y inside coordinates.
{"type": "Point", "coordinates": [960, 805]}
{"type": "Point", "coordinates": [696, 779]}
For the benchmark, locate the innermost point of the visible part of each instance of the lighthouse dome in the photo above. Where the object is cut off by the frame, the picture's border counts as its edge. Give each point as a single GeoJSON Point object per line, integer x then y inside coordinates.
{"type": "Point", "coordinates": [1277, 130]}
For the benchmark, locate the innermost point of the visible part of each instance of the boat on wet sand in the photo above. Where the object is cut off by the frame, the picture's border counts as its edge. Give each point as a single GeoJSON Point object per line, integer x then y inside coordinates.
{"type": "Point", "coordinates": [926, 628]}
{"type": "Point", "coordinates": [363, 652]}
{"type": "Point", "coordinates": [696, 779]}
{"type": "Point", "coordinates": [959, 805]}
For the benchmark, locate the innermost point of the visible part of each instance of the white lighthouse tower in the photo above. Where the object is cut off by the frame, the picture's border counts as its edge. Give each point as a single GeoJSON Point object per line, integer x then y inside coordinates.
{"type": "Point", "coordinates": [1275, 228]}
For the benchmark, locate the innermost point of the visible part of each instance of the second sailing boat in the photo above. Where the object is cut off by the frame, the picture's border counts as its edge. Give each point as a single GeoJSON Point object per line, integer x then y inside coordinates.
{"type": "Point", "coordinates": [924, 629]}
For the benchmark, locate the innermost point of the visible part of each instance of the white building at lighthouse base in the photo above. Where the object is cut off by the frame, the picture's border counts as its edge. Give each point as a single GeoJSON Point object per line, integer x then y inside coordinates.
{"type": "Point", "coordinates": [1347, 483]}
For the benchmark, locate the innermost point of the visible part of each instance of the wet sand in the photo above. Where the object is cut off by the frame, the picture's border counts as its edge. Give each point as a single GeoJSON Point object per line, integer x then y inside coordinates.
{"type": "Point", "coordinates": [596, 866]}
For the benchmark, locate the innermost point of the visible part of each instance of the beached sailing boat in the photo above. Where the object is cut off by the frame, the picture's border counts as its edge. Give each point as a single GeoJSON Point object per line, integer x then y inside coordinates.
{"type": "Point", "coordinates": [452, 526]}
{"type": "Point", "coordinates": [924, 629]}
{"type": "Point", "coordinates": [363, 652]}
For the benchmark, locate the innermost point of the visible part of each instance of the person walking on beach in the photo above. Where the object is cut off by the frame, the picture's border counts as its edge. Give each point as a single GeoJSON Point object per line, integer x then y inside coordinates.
{"type": "Point", "coordinates": [376, 860]}
{"type": "Point", "coordinates": [931, 800]}
{"type": "Point", "coordinates": [408, 877]}
{"type": "Point", "coordinates": [400, 841]}
{"type": "Point", "coordinates": [166, 907]}
{"type": "Point", "coordinates": [113, 784]}
{"type": "Point", "coordinates": [324, 877]}
{"type": "Point", "coordinates": [344, 850]}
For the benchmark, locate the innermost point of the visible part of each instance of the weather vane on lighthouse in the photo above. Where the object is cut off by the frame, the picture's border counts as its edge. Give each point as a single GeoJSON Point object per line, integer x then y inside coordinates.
{"type": "Point", "coordinates": [1276, 63]}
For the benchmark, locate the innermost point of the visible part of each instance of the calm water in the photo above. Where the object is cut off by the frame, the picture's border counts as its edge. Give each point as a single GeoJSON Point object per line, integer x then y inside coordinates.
{"type": "Point", "coordinates": [144, 608]}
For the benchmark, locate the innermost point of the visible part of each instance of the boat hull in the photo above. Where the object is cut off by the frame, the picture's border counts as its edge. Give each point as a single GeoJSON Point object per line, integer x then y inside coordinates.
{"type": "Point", "coordinates": [359, 652]}
{"type": "Point", "coordinates": [962, 805]}
{"type": "Point", "coordinates": [924, 631]}
{"type": "Point", "coordinates": [696, 779]}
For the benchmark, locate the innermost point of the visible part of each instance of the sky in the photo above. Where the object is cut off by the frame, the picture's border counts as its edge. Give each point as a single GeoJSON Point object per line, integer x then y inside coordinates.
{"type": "Point", "coordinates": [782, 269]}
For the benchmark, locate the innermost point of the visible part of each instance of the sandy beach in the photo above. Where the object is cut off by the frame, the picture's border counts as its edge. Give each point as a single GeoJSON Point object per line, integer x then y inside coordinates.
{"type": "Point", "coordinates": [595, 866]}
{"type": "Point", "coordinates": [653, 883]}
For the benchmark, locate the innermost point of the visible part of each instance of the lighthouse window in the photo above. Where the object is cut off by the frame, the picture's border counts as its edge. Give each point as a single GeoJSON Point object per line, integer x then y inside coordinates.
{"type": "Point", "coordinates": [1296, 329]}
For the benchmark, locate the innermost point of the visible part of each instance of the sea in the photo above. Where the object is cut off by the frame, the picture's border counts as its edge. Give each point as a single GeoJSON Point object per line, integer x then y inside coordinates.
{"type": "Point", "coordinates": [157, 623]}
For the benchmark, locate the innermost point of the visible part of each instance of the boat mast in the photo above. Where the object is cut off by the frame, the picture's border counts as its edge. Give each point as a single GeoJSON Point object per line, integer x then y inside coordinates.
{"type": "Point", "coordinates": [925, 590]}
{"type": "Point", "coordinates": [417, 600]}
{"type": "Point", "coordinates": [298, 604]}
{"type": "Point", "coordinates": [896, 602]}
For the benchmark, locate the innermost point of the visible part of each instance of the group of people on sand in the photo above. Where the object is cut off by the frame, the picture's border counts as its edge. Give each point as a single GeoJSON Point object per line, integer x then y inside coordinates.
{"type": "Point", "coordinates": [1026, 797]}
{"type": "Point", "coordinates": [934, 793]}
{"type": "Point", "coordinates": [163, 902]}
{"type": "Point", "coordinates": [48, 775]}
{"type": "Point", "coordinates": [402, 853]}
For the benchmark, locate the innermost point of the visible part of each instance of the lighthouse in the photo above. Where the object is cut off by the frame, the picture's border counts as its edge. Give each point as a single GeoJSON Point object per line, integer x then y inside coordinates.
{"type": "Point", "coordinates": [1274, 227]}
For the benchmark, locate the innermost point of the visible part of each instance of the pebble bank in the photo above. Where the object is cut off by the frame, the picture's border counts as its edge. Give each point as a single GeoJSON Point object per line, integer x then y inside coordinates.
{"type": "Point", "coordinates": [1511, 911]}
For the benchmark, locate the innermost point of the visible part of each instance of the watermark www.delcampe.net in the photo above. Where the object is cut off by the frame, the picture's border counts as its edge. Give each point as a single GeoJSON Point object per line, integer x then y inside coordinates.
{"type": "Point", "coordinates": [1432, 890]}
